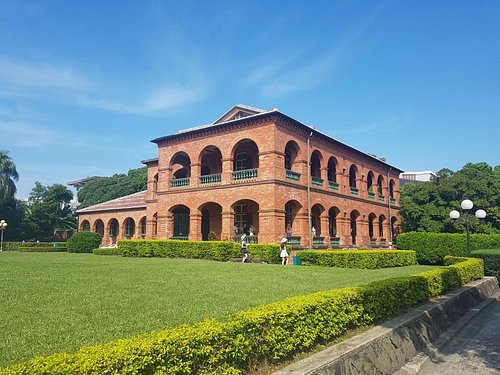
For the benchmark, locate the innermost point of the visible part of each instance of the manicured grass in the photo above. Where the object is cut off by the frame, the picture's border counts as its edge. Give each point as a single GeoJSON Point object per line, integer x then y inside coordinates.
{"type": "Point", "coordinates": [54, 302]}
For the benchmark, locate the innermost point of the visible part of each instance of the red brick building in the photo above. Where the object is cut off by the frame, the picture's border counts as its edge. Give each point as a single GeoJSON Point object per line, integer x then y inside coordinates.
{"type": "Point", "coordinates": [256, 169]}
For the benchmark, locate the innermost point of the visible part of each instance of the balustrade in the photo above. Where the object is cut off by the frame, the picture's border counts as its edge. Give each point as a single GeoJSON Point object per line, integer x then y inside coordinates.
{"type": "Point", "coordinates": [245, 174]}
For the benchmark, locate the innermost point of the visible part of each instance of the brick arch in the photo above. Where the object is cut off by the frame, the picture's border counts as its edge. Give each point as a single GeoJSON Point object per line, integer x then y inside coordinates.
{"type": "Point", "coordinates": [85, 225]}
{"type": "Point", "coordinates": [316, 162]}
{"type": "Point", "coordinates": [333, 214]}
{"type": "Point", "coordinates": [392, 184]}
{"type": "Point", "coordinates": [180, 164]}
{"type": "Point", "coordinates": [353, 175]}
{"type": "Point", "coordinates": [292, 152]}
{"type": "Point", "coordinates": [381, 230]}
{"type": "Point", "coordinates": [372, 219]}
{"type": "Point", "coordinates": [380, 183]}
{"type": "Point", "coordinates": [246, 213]}
{"type": "Point", "coordinates": [354, 218]}
{"type": "Point", "coordinates": [98, 227]}
{"type": "Point", "coordinates": [142, 227]}
{"type": "Point", "coordinates": [180, 221]}
{"type": "Point", "coordinates": [113, 229]}
{"type": "Point", "coordinates": [128, 226]}
{"type": "Point", "coordinates": [210, 160]}
{"type": "Point", "coordinates": [370, 180]}
{"type": "Point", "coordinates": [333, 166]}
{"type": "Point", "coordinates": [211, 220]}
{"type": "Point", "coordinates": [292, 208]}
{"type": "Point", "coordinates": [316, 211]}
{"type": "Point", "coordinates": [251, 160]}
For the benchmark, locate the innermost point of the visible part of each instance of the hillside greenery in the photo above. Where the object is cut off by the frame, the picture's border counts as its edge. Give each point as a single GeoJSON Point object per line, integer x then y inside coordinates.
{"type": "Point", "coordinates": [103, 189]}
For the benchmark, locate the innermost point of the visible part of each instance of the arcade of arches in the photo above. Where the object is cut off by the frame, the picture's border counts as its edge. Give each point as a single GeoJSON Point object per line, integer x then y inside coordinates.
{"type": "Point", "coordinates": [256, 174]}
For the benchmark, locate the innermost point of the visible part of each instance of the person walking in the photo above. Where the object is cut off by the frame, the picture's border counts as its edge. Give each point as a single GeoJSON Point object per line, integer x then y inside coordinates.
{"type": "Point", "coordinates": [283, 253]}
{"type": "Point", "coordinates": [313, 231]}
{"type": "Point", "coordinates": [244, 248]}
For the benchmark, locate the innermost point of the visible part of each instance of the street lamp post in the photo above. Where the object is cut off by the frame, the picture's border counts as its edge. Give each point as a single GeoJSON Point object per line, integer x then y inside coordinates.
{"type": "Point", "coordinates": [467, 207]}
{"type": "Point", "coordinates": [3, 226]}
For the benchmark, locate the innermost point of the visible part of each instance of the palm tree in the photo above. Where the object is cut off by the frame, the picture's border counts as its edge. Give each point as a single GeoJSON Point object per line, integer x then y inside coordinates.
{"type": "Point", "coordinates": [8, 174]}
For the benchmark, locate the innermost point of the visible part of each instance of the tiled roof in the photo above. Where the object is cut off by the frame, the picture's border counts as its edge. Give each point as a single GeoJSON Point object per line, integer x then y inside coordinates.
{"type": "Point", "coordinates": [136, 200]}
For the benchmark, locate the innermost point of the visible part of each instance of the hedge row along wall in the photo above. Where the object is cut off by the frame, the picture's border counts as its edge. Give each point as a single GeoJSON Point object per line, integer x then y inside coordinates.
{"type": "Point", "coordinates": [42, 249]}
{"type": "Point", "coordinates": [271, 333]}
{"type": "Point", "coordinates": [213, 250]}
{"type": "Point", "coordinates": [431, 248]}
{"type": "Point", "coordinates": [491, 260]}
{"type": "Point", "coordinates": [14, 246]}
{"type": "Point", "coordinates": [370, 259]}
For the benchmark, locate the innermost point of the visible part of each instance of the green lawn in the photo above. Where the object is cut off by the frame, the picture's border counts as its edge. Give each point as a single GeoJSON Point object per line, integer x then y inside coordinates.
{"type": "Point", "coordinates": [52, 302]}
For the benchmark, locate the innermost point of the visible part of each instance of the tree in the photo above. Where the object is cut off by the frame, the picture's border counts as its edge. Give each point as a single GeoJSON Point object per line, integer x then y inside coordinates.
{"type": "Point", "coordinates": [106, 188]}
{"type": "Point", "coordinates": [426, 206]}
{"type": "Point", "coordinates": [10, 210]}
{"type": "Point", "coordinates": [47, 210]}
{"type": "Point", "coordinates": [8, 176]}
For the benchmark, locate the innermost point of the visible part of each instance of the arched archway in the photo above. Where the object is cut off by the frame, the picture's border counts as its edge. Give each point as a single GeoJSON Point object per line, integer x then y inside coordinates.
{"type": "Point", "coordinates": [316, 212]}
{"type": "Point", "coordinates": [291, 152]}
{"type": "Point", "coordinates": [391, 188]}
{"type": "Point", "coordinates": [354, 231]}
{"type": "Point", "coordinates": [85, 226]}
{"type": "Point", "coordinates": [99, 228]}
{"type": "Point", "coordinates": [129, 225]}
{"type": "Point", "coordinates": [181, 169]}
{"type": "Point", "coordinates": [353, 175]}
{"type": "Point", "coordinates": [113, 230]}
{"type": "Point", "coordinates": [332, 169]}
{"type": "Point", "coordinates": [211, 165]}
{"type": "Point", "coordinates": [292, 207]}
{"type": "Point", "coordinates": [380, 183]}
{"type": "Point", "coordinates": [370, 179]}
{"type": "Point", "coordinates": [394, 221]}
{"type": "Point", "coordinates": [332, 225]}
{"type": "Point", "coordinates": [316, 159]}
{"type": "Point", "coordinates": [246, 215]}
{"type": "Point", "coordinates": [381, 230]}
{"type": "Point", "coordinates": [154, 225]}
{"type": "Point", "coordinates": [371, 226]}
{"type": "Point", "coordinates": [245, 159]}
{"type": "Point", "coordinates": [180, 216]}
{"type": "Point", "coordinates": [142, 227]}
{"type": "Point", "coordinates": [211, 221]}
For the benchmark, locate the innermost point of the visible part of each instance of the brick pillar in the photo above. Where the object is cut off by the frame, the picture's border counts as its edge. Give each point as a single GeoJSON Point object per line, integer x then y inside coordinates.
{"type": "Point", "coordinates": [362, 236]}
{"type": "Point", "coordinates": [195, 174]}
{"type": "Point", "coordinates": [164, 177]}
{"type": "Point", "coordinates": [324, 222]}
{"type": "Point", "coordinates": [195, 226]}
{"type": "Point", "coordinates": [227, 171]}
{"type": "Point", "coordinates": [344, 228]}
{"type": "Point", "coordinates": [227, 224]}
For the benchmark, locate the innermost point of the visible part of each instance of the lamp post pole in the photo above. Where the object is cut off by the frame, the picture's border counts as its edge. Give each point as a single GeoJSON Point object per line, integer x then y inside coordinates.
{"type": "Point", "coordinates": [3, 225]}
{"type": "Point", "coordinates": [309, 191]}
{"type": "Point", "coordinates": [467, 206]}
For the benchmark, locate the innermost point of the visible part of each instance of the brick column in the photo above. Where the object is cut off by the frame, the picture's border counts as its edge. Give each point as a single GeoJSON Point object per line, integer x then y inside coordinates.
{"type": "Point", "coordinates": [227, 171]}
{"type": "Point", "coordinates": [195, 174]}
{"type": "Point", "coordinates": [195, 226]}
{"type": "Point", "coordinates": [227, 224]}
{"type": "Point", "coordinates": [344, 228]}
{"type": "Point", "coordinates": [362, 236]}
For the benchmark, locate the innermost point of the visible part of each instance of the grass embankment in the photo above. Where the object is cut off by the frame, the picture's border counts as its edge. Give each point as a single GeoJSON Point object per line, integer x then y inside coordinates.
{"type": "Point", "coordinates": [53, 302]}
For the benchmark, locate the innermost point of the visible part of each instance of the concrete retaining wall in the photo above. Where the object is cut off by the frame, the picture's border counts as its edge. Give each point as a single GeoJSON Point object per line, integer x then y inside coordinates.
{"type": "Point", "coordinates": [387, 347]}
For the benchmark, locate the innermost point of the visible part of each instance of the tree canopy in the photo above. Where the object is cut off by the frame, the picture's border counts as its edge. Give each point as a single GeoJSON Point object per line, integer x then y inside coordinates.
{"type": "Point", "coordinates": [425, 207]}
{"type": "Point", "coordinates": [47, 210]}
{"type": "Point", "coordinates": [106, 188]}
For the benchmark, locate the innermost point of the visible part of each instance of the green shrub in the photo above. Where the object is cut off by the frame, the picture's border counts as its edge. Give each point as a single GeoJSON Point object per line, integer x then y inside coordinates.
{"type": "Point", "coordinates": [83, 242]}
{"type": "Point", "coordinates": [107, 251]}
{"type": "Point", "coordinates": [370, 259]}
{"type": "Point", "coordinates": [270, 333]}
{"type": "Point", "coordinates": [491, 258]}
{"type": "Point", "coordinates": [213, 250]}
{"type": "Point", "coordinates": [431, 248]}
{"type": "Point", "coordinates": [42, 249]}
{"type": "Point", "coordinates": [14, 246]}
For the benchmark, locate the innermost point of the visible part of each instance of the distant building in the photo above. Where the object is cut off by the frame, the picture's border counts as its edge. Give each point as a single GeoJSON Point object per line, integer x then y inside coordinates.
{"type": "Point", "coordinates": [78, 184]}
{"type": "Point", "coordinates": [260, 169]}
{"type": "Point", "coordinates": [423, 176]}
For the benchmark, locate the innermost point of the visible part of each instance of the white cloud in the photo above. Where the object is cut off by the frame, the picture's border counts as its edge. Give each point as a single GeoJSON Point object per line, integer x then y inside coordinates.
{"type": "Point", "coordinates": [27, 135]}
{"type": "Point", "coordinates": [42, 75]}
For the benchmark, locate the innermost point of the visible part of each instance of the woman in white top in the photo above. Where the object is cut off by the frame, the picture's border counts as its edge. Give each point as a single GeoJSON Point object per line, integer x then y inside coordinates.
{"type": "Point", "coordinates": [283, 252]}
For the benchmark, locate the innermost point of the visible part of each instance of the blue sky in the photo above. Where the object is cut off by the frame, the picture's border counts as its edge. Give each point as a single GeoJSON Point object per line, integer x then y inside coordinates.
{"type": "Point", "coordinates": [85, 85]}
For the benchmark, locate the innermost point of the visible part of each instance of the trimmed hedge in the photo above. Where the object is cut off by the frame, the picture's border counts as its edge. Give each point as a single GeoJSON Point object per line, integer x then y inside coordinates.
{"type": "Point", "coordinates": [370, 259]}
{"type": "Point", "coordinates": [271, 333]}
{"type": "Point", "coordinates": [83, 242]}
{"type": "Point", "coordinates": [107, 251]}
{"type": "Point", "coordinates": [491, 258]}
{"type": "Point", "coordinates": [14, 246]}
{"type": "Point", "coordinates": [431, 248]}
{"type": "Point", "coordinates": [42, 249]}
{"type": "Point", "coordinates": [212, 250]}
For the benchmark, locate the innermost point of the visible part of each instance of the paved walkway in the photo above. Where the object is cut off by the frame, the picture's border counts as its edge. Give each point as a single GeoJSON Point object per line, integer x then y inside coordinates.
{"type": "Point", "coordinates": [475, 349]}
